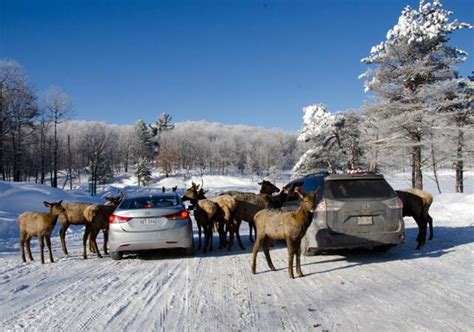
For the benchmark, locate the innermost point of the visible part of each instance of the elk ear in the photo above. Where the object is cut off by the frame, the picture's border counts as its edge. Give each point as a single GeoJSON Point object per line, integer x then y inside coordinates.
{"type": "Point", "coordinates": [260, 183]}
{"type": "Point", "coordinates": [47, 204]}
{"type": "Point", "coordinates": [301, 196]}
{"type": "Point", "coordinates": [60, 201]}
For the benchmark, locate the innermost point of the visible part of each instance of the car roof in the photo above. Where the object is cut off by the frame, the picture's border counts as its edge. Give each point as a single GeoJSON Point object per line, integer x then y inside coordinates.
{"type": "Point", "coordinates": [355, 177]}
{"type": "Point", "coordinates": [157, 195]}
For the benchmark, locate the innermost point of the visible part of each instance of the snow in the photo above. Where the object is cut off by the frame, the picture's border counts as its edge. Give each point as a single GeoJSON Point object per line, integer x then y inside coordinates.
{"type": "Point", "coordinates": [404, 289]}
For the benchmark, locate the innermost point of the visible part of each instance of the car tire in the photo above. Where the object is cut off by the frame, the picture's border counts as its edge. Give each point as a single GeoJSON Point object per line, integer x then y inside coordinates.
{"type": "Point", "coordinates": [383, 248]}
{"type": "Point", "coordinates": [304, 248]}
{"type": "Point", "coordinates": [189, 251]}
{"type": "Point", "coordinates": [116, 255]}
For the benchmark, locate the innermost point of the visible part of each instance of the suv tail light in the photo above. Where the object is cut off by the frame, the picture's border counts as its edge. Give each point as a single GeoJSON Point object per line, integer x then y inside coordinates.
{"type": "Point", "coordinates": [329, 205]}
{"type": "Point", "coordinates": [394, 203]}
{"type": "Point", "coordinates": [118, 219]}
{"type": "Point", "coordinates": [178, 216]}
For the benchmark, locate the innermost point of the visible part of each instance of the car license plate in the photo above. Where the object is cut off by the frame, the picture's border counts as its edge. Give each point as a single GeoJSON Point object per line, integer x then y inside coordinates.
{"type": "Point", "coordinates": [150, 221]}
{"type": "Point", "coordinates": [365, 220]}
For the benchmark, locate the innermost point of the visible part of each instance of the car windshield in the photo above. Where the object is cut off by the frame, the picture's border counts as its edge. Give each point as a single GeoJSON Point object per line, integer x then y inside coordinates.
{"type": "Point", "coordinates": [359, 189]}
{"type": "Point", "coordinates": [148, 202]}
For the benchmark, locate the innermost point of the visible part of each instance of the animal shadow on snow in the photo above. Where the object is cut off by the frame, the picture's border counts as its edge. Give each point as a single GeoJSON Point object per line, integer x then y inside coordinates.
{"type": "Point", "coordinates": [445, 240]}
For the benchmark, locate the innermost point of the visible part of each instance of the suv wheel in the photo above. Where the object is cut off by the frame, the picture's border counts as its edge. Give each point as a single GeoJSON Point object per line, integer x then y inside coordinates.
{"type": "Point", "coordinates": [116, 255]}
{"type": "Point", "coordinates": [304, 248]}
{"type": "Point", "coordinates": [383, 248]}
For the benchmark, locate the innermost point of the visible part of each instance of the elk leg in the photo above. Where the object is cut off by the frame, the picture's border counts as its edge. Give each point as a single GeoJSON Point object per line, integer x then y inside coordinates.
{"type": "Point", "coordinates": [62, 235]}
{"type": "Point", "coordinates": [28, 247]}
{"type": "Point", "coordinates": [210, 235]}
{"type": "Point", "coordinates": [91, 245]}
{"type": "Point", "coordinates": [266, 251]}
{"type": "Point", "coordinates": [41, 243]}
{"type": "Point", "coordinates": [256, 247]}
{"type": "Point", "coordinates": [421, 238]}
{"type": "Point", "coordinates": [222, 234]}
{"type": "Point", "coordinates": [298, 260]}
{"type": "Point", "coordinates": [252, 226]}
{"type": "Point", "coordinates": [22, 246]}
{"type": "Point", "coordinates": [206, 239]}
{"type": "Point", "coordinates": [237, 233]}
{"type": "Point", "coordinates": [93, 237]}
{"type": "Point", "coordinates": [84, 241]}
{"type": "Point", "coordinates": [199, 230]}
{"type": "Point", "coordinates": [106, 240]}
{"type": "Point", "coordinates": [291, 254]}
{"type": "Point", "coordinates": [428, 219]}
{"type": "Point", "coordinates": [48, 243]}
{"type": "Point", "coordinates": [230, 226]}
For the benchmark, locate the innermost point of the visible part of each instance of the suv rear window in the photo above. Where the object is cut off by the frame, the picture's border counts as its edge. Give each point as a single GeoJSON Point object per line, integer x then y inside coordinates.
{"type": "Point", "coordinates": [148, 202]}
{"type": "Point", "coordinates": [308, 185]}
{"type": "Point", "coordinates": [359, 189]}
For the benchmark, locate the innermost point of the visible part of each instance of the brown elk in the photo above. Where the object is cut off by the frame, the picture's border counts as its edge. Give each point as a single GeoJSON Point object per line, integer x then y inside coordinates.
{"type": "Point", "coordinates": [416, 204]}
{"type": "Point", "coordinates": [75, 216]}
{"type": "Point", "coordinates": [41, 225]}
{"type": "Point", "coordinates": [290, 226]}
{"type": "Point", "coordinates": [204, 213]}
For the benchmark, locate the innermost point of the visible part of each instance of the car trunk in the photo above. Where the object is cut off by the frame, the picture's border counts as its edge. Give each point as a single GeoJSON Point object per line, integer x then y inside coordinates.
{"type": "Point", "coordinates": [145, 220]}
{"type": "Point", "coordinates": [361, 206]}
{"type": "Point", "coordinates": [357, 216]}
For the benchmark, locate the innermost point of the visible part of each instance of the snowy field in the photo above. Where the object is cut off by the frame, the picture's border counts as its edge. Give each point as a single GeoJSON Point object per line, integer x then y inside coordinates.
{"type": "Point", "coordinates": [403, 289]}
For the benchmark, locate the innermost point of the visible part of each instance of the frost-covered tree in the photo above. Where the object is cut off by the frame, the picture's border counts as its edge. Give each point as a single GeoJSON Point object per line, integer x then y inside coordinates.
{"type": "Point", "coordinates": [161, 125]}
{"type": "Point", "coordinates": [58, 107]}
{"type": "Point", "coordinates": [405, 71]}
{"type": "Point", "coordinates": [320, 134]}
{"type": "Point", "coordinates": [454, 129]}
{"type": "Point", "coordinates": [143, 171]}
{"type": "Point", "coordinates": [96, 143]}
{"type": "Point", "coordinates": [143, 145]}
{"type": "Point", "coordinates": [18, 111]}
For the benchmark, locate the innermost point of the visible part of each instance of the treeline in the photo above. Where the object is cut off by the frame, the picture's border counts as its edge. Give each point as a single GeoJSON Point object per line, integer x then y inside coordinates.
{"type": "Point", "coordinates": [214, 148]}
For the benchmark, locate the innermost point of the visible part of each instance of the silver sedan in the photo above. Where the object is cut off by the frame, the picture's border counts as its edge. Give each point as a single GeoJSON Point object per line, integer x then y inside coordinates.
{"type": "Point", "coordinates": [149, 222]}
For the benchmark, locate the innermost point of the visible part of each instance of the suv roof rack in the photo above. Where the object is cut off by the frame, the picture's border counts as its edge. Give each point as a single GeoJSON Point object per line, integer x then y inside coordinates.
{"type": "Point", "coordinates": [319, 173]}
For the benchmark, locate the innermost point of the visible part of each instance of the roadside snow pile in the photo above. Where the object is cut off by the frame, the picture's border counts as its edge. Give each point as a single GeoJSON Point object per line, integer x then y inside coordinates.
{"type": "Point", "coordinates": [18, 197]}
{"type": "Point", "coordinates": [455, 209]}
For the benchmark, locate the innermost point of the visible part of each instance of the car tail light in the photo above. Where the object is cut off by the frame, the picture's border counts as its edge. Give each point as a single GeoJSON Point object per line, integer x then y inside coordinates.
{"type": "Point", "coordinates": [394, 203]}
{"type": "Point", "coordinates": [118, 219]}
{"type": "Point", "coordinates": [321, 206]}
{"type": "Point", "coordinates": [178, 216]}
{"type": "Point", "coordinates": [329, 205]}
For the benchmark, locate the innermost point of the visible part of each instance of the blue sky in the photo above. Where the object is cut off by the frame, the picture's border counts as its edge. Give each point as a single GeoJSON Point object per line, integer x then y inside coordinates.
{"type": "Point", "coordinates": [236, 62]}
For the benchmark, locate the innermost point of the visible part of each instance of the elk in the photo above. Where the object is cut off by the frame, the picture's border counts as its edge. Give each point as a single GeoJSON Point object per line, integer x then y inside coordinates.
{"type": "Point", "coordinates": [41, 225]}
{"type": "Point", "coordinates": [204, 213]}
{"type": "Point", "coordinates": [272, 224]}
{"type": "Point", "coordinates": [249, 204]}
{"type": "Point", "coordinates": [75, 216]}
{"type": "Point", "coordinates": [97, 217]}
{"type": "Point", "coordinates": [416, 204]}
{"type": "Point", "coordinates": [266, 187]}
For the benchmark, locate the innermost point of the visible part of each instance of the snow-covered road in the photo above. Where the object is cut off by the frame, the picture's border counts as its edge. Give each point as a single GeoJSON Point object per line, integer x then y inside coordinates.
{"type": "Point", "coordinates": [403, 289]}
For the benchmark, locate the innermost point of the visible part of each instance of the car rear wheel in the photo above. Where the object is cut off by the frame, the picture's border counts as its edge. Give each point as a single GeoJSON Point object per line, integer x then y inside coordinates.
{"type": "Point", "coordinates": [189, 251]}
{"type": "Point", "coordinates": [116, 255]}
{"type": "Point", "coordinates": [383, 248]}
{"type": "Point", "coordinates": [305, 249]}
